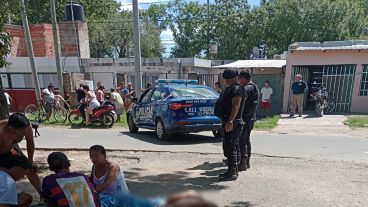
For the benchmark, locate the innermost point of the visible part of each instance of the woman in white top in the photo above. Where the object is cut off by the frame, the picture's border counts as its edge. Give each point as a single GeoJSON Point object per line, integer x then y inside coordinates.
{"type": "Point", "coordinates": [92, 102]}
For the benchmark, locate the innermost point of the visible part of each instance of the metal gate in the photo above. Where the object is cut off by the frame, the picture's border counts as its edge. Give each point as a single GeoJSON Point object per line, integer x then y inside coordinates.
{"type": "Point", "coordinates": [339, 81]}
{"type": "Point", "coordinates": [208, 79]}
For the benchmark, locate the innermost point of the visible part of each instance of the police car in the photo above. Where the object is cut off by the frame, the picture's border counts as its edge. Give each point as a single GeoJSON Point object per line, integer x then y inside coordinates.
{"type": "Point", "coordinates": [175, 106]}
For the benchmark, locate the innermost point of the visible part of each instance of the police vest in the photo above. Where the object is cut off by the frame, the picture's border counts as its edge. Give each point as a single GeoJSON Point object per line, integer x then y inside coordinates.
{"type": "Point", "coordinates": [251, 103]}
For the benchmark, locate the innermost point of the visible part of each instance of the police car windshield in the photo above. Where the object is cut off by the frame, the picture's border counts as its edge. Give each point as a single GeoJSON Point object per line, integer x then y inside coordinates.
{"type": "Point", "coordinates": [193, 92]}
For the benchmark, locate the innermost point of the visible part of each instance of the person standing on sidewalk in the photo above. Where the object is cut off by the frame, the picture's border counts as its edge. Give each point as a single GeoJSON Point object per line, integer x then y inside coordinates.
{"type": "Point", "coordinates": [298, 89]}
{"type": "Point", "coordinates": [251, 94]}
{"type": "Point", "coordinates": [230, 110]}
{"type": "Point", "coordinates": [266, 93]}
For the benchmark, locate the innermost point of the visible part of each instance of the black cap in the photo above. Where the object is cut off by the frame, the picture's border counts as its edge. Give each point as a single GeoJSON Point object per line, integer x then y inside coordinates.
{"type": "Point", "coordinates": [230, 74]}
{"type": "Point", "coordinates": [58, 161]}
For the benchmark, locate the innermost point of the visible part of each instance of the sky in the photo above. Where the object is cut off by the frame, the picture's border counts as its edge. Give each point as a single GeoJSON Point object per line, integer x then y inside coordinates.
{"type": "Point", "coordinates": [167, 36]}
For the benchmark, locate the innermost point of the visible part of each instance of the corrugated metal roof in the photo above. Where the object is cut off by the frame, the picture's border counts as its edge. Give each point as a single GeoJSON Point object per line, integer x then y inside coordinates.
{"type": "Point", "coordinates": [255, 64]}
{"type": "Point", "coordinates": [334, 45]}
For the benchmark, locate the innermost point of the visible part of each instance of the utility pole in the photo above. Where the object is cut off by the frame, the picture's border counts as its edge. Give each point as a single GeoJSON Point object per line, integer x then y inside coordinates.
{"type": "Point", "coordinates": [56, 46]}
{"type": "Point", "coordinates": [36, 84]}
{"type": "Point", "coordinates": [208, 30]}
{"type": "Point", "coordinates": [137, 49]}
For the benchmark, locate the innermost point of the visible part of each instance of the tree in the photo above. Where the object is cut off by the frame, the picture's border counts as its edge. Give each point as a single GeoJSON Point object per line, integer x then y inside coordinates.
{"type": "Point", "coordinates": [314, 20]}
{"type": "Point", "coordinates": [5, 43]}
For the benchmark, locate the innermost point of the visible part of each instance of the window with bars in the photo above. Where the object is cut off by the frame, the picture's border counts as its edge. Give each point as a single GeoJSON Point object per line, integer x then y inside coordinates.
{"type": "Point", "coordinates": [364, 83]}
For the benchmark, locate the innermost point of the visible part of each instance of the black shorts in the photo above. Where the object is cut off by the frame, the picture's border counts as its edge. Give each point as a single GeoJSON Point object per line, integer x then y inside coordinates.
{"type": "Point", "coordinates": [48, 107]}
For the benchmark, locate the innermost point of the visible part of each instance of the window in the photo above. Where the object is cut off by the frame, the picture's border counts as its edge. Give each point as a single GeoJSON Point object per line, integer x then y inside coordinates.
{"type": "Point", "coordinates": [194, 92]}
{"type": "Point", "coordinates": [145, 96]}
{"type": "Point", "coordinates": [158, 94]}
{"type": "Point", "coordinates": [364, 83]}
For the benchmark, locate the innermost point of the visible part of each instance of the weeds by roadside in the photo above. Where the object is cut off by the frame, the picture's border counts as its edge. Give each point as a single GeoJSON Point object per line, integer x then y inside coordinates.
{"type": "Point", "coordinates": [267, 124]}
{"type": "Point", "coordinates": [357, 122]}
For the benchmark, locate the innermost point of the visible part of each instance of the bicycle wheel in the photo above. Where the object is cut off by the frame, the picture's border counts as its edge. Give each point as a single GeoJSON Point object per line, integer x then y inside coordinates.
{"type": "Point", "coordinates": [32, 112]}
{"type": "Point", "coordinates": [330, 106]}
{"type": "Point", "coordinates": [60, 114]}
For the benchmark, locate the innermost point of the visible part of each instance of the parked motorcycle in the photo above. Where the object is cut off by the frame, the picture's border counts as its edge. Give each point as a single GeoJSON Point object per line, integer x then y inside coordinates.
{"type": "Point", "coordinates": [104, 115]}
{"type": "Point", "coordinates": [321, 97]}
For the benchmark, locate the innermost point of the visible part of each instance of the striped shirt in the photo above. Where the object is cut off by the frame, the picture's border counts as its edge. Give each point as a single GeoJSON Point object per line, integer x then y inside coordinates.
{"type": "Point", "coordinates": [69, 189]}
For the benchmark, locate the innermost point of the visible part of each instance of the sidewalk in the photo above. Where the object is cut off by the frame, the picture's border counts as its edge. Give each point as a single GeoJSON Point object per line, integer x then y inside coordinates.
{"type": "Point", "coordinates": [309, 125]}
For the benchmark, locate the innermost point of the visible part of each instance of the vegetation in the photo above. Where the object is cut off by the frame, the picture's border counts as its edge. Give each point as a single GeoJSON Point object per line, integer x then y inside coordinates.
{"type": "Point", "coordinates": [357, 122]}
{"type": "Point", "coordinates": [267, 123]}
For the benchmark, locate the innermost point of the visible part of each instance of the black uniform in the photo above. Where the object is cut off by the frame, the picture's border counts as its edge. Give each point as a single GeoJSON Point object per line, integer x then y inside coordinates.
{"type": "Point", "coordinates": [231, 139]}
{"type": "Point", "coordinates": [249, 116]}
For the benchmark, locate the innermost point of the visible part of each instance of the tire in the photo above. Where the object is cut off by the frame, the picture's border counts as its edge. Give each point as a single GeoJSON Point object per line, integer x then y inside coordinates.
{"type": "Point", "coordinates": [75, 118]}
{"type": "Point", "coordinates": [131, 125]}
{"type": "Point", "coordinates": [60, 114]}
{"type": "Point", "coordinates": [108, 120]}
{"type": "Point", "coordinates": [161, 132]}
{"type": "Point", "coordinates": [330, 106]}
{"type": "Point", "coordinates": [218, 133]}
{"type": "Point", "coordinates": [31, 112]}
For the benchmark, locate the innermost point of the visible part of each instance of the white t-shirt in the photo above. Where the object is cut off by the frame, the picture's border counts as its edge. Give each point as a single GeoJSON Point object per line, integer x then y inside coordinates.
{"type": "Point", "coordinates": [49, 95]}
{"type": "Point", "coordinates": [7, 98]}
{"type": "Point", "coordinates": [266, 93]}
{"type": "Point", "coordinates": [8, 189]}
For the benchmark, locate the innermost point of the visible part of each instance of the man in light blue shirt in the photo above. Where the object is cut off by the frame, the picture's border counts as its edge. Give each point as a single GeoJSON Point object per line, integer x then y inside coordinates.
{"type": "Point", "coordinates": [12, 169]}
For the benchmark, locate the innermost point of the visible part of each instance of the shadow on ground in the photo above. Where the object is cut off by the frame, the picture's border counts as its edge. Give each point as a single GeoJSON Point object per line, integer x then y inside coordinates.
{"type": "Point", "coordinates": [168, 183]}
{"type": "Point", "coordinates": [176, 139]}
{"type": "Point", "coordinates": [240, 204]}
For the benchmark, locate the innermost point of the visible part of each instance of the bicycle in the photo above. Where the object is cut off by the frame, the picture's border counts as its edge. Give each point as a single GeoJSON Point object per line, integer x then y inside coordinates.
{"type": "Point", "coordinates": [38, 113]}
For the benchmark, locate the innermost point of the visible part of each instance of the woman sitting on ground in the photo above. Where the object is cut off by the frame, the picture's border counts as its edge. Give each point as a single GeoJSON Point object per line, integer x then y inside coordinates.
{"type": "Point", "coordinates": [107, 177]}
{"type": "Point", "coordinates": [92, 102]}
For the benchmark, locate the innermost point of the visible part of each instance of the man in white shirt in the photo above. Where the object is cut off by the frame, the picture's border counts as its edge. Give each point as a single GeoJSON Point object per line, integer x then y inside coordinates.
{"type": "Point", "coordinates": [266, 93]}
{"type": "Point", "coordinates": [118, 103]}
{"type": "Point", "coordinates": [48, 97]}
{"type": "Point", "coordinates": [13, 168]}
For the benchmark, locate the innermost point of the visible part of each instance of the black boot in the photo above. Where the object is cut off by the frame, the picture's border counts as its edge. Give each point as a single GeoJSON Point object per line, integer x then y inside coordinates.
{"type": "Point", "coordinates": [230, 175]}
{"type": "Point", "coordinates": [243, 164]}
{"type": "Point", "coordinates": [248, 163]}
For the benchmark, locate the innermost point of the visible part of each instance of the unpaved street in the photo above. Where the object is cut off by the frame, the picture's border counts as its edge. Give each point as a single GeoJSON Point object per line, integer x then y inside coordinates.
{"type": "Point", "coordinates": [271, 181]}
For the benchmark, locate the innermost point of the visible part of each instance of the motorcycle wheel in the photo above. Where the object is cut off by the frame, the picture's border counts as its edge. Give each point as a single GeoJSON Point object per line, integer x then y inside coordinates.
{"type": "Point", "coordinates": [75, 118]}
{"type": "Point", "coordinates": [108, 120]}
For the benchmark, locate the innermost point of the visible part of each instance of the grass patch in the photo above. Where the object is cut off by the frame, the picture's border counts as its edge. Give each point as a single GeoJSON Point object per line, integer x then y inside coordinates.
{"type": "Point", "coordinates": [357, 122]}
{"type": "Point", "coordinates": [267, 123]}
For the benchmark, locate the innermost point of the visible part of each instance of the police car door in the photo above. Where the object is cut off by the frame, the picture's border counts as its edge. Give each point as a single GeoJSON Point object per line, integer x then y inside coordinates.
{"type": "Point", "coordinates": [143, 111]}
{"type": "Point", "coordinates": [156, 104]}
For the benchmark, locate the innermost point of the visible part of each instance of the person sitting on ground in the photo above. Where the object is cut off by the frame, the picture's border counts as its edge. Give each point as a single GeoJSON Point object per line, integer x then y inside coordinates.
{"type": "Point", "coordinates": [92, 102]}
{"type": "Point", "coordinates": [65, 188]}
{"type": "Point", "coordinates": [12, 132]}
{"type": "Point", "coordinates": [12, 169]}
{"type": "Point", "coordinates": [106, 176]}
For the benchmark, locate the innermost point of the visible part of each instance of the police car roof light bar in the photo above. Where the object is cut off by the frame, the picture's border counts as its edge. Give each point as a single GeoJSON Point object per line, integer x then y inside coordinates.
{"type": "Point", "coordinates": [176, 81]}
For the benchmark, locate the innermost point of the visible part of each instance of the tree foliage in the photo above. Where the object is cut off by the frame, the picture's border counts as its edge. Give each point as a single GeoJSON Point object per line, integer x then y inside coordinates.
{"type": "Point", "coordinates": [236, 27]}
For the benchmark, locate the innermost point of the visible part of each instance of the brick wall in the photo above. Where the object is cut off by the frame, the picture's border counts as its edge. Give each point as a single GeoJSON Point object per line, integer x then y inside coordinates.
{"type": "Point", "coordinates": [43, 43]}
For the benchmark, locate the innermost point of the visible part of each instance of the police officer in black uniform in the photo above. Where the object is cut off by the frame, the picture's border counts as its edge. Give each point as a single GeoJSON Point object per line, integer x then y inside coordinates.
{"type": "Point", "coordinates": [251, 93]}
{"type": "Point", "coordinates": [231, 103]}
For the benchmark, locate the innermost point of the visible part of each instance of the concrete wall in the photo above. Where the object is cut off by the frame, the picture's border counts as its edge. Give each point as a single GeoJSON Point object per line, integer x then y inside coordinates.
{"type": "Point", "coordinates": [329, 57]}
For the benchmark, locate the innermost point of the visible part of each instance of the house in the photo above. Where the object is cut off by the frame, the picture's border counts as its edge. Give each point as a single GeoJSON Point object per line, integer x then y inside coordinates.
{"type": "Point", "coordinates": [340, 66]}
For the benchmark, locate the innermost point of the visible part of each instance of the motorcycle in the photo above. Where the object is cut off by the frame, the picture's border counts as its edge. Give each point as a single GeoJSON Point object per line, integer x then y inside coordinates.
{"type": "Point", "coordinates": [320, 96]}
{"type": "Point", "coordinates": [104, 115]}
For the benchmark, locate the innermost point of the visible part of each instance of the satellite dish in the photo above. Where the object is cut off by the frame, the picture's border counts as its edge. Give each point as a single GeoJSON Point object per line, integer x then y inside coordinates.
{"type": "Point", "coordinates": [255, 52]}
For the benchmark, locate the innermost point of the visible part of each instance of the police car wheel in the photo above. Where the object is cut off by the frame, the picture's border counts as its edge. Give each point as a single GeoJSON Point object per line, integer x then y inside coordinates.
{"type": "Point", "coordinates": [131, 125]}
{"type": "Point", "coordinates": [160, 130]}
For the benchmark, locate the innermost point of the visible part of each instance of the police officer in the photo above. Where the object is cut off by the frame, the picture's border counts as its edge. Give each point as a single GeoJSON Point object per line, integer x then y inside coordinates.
{"type": "Point", "coordinates": [232, 103]}
{"type": "Point", "coordinates": [251, 94]}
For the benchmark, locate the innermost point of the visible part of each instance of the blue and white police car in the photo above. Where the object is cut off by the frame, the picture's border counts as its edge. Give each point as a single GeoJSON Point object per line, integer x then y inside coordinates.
{"type": "Point", "coordinates": [175, 106]}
